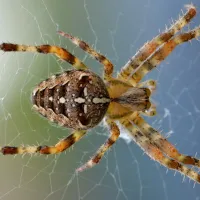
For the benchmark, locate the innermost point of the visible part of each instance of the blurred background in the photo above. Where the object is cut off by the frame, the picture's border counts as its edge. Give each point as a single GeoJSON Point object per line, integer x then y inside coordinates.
{"type": "Point", "coordinates": [117, 29]}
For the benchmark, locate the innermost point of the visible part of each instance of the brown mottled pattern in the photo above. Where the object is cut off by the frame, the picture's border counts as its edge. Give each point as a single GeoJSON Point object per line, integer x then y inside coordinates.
{"type": "Point", "coordinates": [47, 94]}
{"type": "Point", "coordinates": [135, 98]}
{"type": "Point", "coordinates": [72, 90]}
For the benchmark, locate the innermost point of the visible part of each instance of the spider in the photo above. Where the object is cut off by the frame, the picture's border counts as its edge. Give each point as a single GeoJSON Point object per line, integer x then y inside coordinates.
{"type": "Point", "coordinates": [79, 99]}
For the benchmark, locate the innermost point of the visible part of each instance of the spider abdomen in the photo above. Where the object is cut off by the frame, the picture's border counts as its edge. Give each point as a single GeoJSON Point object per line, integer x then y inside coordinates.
{"type": "Point", "coordinates": [76, 99]}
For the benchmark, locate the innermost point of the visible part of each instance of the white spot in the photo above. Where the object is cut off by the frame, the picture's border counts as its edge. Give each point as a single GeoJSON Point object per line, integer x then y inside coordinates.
{"type": "Point", "coordinates": [85, 91]}
{"type": "Point", "coordinates": [53, 77]}
{"type": "Point", "coordinates": [76, 42]}
{"type": "Point", "coordinates": [79, 100]}
{"type": "Point", "coordinates": [34, 91]}
{"type": "Point", "coordinates": [82, 75]}
{"type": "Point", "coordinates": [85, 109]}
{"type": "Point", "coordinates": [100, 100]}
{"type": "Point", "coordinates": [63, 74]}
{"type": "Point", "coordinates": [73, 105]}
{"type": "Point", "coordinates": [62, 100]}
{"type": "Point", "coordinates": [50, 98]}
{"type": "Point", "coordinates": [31, 150]}
{"type": "Point", "coordinates": [90, 82]}
{"type": "Point", "coordinates": [73, 95]}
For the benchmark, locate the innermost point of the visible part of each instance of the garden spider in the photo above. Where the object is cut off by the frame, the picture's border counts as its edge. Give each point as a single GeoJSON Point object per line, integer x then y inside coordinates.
{"type": "Point", "coordinates": [79, 99]}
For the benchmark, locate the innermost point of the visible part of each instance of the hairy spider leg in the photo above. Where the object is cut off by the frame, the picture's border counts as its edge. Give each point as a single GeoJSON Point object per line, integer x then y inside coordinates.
{"type": "Point", "coordinates": [149, 47]}
{"type": "Point", "coordinates": [61, 146]}
{"type": "Point", "coordinates": [161, 142]}
{"type": "Point", "coordinates": [108, 66]}
{"type": "Point", "coordinates": [115, 132]}
{"type": "Point", "coordinates": [46, 49]}
{"type": "Point", "coordinates": [155, 153]}
{"type": "Point", "coordinates": [155, 59]}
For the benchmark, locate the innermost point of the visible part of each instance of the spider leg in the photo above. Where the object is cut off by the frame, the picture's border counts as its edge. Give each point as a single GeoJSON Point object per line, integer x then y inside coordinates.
{"type": "Point", "coordinates": [99, 154]}
{"type": "Point", "coordinates": [46, 49]}
{"type": "Point", "coordinates": [155, 59]}
{"type": "Point", "coordinates": [162, 143]}
{"type": "Point", "coordinates": [151, 46]}
{"type": "Point", "coordinates": [108, 66]}
{"type": "Point", "coordinates": [62, 145]}
{"type": "Point", "coordinates": [156, 153]}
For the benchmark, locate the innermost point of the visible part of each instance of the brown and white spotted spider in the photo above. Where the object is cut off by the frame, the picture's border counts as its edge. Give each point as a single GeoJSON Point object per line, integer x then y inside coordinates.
{"type": "Point", "coordinates": [79, 99]}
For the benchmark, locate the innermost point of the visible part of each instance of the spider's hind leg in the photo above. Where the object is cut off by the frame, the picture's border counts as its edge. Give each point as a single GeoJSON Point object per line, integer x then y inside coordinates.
{"type": "Point", "coordinates": [61, 146]}
{"type": "Point", "coordinates": [101, 151]}
{"type": "Point", "coordinates": [60, 52]}
{"type": "Point", "coordinates": [108, 66]}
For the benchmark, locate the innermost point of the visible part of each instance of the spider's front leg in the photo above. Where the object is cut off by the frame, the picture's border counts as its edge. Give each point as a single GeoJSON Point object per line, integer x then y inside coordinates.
{"type": "Point", "coordinates": [108, 66]}
{"type": "Point", "coordinates": [46, 49]}
{"type": "Point", "coordinates": [156, 153]}
{"type": "Point", "coordinates": [154, 44]}
{"type": "Point", "coordinates": [164, 145]}
{"type": "Point", "coordinates": [115, 132]}
{"type": "Point", "coordinates": [61, 146]}
{"type": "Point", "coordinates": [155, 59]}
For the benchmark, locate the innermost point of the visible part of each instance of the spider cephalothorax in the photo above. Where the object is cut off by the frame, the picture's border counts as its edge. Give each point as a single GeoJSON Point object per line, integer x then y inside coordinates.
{"type": "Point", "coordinates": [79, 99]}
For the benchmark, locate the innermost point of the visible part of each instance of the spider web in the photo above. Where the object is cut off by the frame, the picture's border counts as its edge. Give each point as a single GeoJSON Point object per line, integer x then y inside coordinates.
{"type": "Point", "coordinates": [118, 29]}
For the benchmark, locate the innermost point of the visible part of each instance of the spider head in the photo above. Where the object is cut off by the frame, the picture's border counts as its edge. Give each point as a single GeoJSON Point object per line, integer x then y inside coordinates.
{"type": "Point", "coordinates": [133, 99]}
